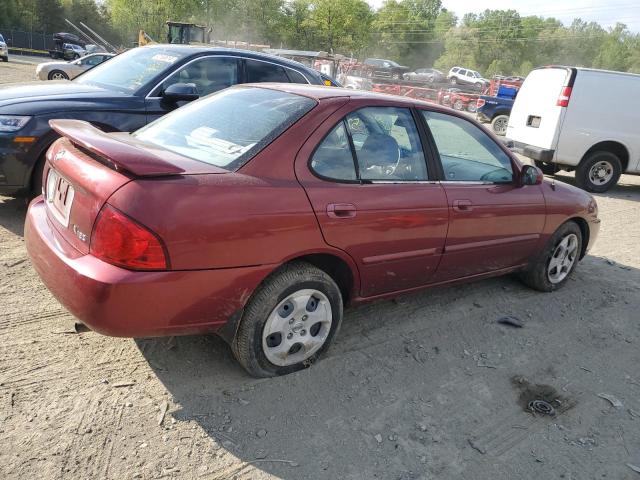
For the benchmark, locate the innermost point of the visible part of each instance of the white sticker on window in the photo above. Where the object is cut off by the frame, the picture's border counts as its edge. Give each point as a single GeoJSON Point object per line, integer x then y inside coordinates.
{"type": "Point", "coordinates": [160, 57]}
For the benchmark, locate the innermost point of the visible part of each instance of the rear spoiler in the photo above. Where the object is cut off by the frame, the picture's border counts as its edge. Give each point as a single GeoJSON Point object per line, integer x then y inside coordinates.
{"type": "Point", "coordinates": [124, 155]}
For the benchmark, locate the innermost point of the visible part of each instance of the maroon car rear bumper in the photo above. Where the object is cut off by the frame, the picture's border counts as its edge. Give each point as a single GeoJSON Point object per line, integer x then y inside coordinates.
{"type": "Point", "coordinates": [119, 302]}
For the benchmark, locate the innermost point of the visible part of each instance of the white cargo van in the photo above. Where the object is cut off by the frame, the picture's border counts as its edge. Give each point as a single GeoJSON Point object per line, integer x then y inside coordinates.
{"type": "Point", "coordinates": [579, 119]}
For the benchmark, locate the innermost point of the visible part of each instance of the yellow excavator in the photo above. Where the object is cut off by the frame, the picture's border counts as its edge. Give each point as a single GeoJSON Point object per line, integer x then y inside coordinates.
{"type": "Point", "coordinates": [179, 33]}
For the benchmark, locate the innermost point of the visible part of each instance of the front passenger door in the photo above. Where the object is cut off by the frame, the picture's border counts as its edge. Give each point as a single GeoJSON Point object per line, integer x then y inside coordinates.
{"type": "Point", "coordinates": [209, 74]}
{"type": "Point", "coordinates": [494, 223]}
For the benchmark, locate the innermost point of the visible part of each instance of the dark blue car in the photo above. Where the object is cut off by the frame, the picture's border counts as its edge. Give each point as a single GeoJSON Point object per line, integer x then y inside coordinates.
{"type": "Point", "coordinates": [123, 94]}
{"type": "Point", "coordinates": [496, 110]}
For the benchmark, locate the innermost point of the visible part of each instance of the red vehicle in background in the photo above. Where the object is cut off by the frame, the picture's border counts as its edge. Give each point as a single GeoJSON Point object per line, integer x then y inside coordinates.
{"type": "Point", "coordinates": [457, 99]}
{"type": "Point", "coordinates": [261, 211]}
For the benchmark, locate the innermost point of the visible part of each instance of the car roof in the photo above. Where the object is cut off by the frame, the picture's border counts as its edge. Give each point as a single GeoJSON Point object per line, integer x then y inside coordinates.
{"type": "Point", "coordinates": [320, 92]}
{"type": "Point", "coordinates": [197, 49]}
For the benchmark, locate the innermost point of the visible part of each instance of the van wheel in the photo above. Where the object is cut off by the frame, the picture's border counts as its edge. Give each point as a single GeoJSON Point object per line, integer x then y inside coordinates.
{"type": "Point", "coordinates": [598, 171]}
{"type": "Point", "coordinates": [290, 321]}
{"type": "Point", "coordinates": [553, 267]}
{"type": "Point", "coordinates": [547, 168]}
{"type": "Point", "coordinates": [499, 124]}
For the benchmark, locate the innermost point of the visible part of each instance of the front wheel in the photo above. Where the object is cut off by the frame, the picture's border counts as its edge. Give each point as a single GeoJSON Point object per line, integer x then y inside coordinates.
{"type": "Point", "coordinates": [58, 75]}
{"type": "Point", "coordinates": [290, 321]}
{"type": "Point", "coordinates": [458, 105]}
{"type": "Point", "coordinates": [598, 172]}
{"type": "Point", "coordinates": [557, 261]}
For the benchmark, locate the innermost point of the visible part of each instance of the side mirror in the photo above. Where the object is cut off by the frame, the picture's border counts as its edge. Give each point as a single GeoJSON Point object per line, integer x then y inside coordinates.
{"type": "Point", "coordinates": [181, 92]}
{"type": "Point", "coordinates": [530, 175]}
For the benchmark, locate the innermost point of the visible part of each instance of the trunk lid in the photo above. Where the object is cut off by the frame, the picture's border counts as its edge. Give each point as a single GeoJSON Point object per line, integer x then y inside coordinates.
{"type": "Point", "coordinates": [86, 166]}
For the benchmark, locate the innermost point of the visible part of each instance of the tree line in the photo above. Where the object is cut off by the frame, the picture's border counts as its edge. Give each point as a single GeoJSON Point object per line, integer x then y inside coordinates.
{"type": "Point", "coordinates": [417, 33]}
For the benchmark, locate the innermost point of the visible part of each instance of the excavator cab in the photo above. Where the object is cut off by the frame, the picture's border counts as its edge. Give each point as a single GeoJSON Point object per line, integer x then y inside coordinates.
{"type": "Point", "coordinates": [187, 33]}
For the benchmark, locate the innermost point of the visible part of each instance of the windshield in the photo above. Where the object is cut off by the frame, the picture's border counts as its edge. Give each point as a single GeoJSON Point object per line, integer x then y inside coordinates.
{"type": "Point", "coordinates": [130, 70]}
{"type": "Point", "coordinates": [228, 128]}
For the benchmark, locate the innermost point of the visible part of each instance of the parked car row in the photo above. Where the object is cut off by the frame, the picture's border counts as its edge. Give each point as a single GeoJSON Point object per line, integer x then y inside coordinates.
{"type": "Point", "coordinates": [259, 212]}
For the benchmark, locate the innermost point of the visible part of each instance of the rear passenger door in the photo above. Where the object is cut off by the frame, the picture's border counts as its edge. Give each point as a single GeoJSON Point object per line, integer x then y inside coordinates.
{"type": "Point", "coordinates": [494, 222]}
{"type": "Point", "coordinates": [370, 186]}
{"type": "Point", "coordinates": [257, 71]}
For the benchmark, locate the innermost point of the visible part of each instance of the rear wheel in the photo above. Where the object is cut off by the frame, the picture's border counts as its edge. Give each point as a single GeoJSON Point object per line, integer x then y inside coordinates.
{"type": "Point", "coordinates": [557, 261]}
{"type": "Point", "coordinates": [453, 81]}
{"type": "Point", "coordinates": [472, 107]}
{"type": "Point", "coordinates": [57, 75]}
{"type": "Point", "coordinates": [289, 322]}
{"type": "Point", "coordinates": [458, 105]}
{"type": "Point", "coordinates": [598, 171]}
{"type": "Point", "coordinates": [499, 124]}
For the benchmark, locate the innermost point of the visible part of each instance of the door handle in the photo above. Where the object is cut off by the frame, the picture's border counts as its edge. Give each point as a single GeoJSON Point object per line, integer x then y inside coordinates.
{"type": "Point", "coordinates": [462, 205]}
{"type": "Point", "coordinates": [341, 210]}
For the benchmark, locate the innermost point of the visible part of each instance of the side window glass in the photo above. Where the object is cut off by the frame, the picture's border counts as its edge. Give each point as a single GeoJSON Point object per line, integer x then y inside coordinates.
{"type": "Point", "coordinates": [295, 77]}
{"type": "Point", "coordinates": [466, 152]}
{"type": "Point", "coordinates": [332, 159]}
{"type": "Point", "coordinates": [209, 74]}
{"type": "Point", "coordinates": [387, 144]}
{"type": "Point", "coordinates": [265, 72]}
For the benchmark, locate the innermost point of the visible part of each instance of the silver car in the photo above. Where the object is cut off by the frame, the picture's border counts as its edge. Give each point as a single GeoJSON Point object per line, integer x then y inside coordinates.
{"type": "Point", "coordinates": [61, 70]}
{"type": "Point", "coordinates": [4, 50]}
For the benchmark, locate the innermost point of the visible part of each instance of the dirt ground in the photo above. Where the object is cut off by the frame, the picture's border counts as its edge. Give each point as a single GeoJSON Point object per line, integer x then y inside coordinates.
{"type": "Point", "coordinates": [428, 386]}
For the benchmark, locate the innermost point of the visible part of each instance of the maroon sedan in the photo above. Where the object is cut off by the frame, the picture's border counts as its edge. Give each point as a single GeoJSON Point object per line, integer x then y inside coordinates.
{"type": "Point", "coordinates": [260, 212]}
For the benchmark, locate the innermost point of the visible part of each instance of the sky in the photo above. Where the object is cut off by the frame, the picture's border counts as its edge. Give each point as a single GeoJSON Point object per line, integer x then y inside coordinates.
{"type": "Point", "coordinates": [606, 13]}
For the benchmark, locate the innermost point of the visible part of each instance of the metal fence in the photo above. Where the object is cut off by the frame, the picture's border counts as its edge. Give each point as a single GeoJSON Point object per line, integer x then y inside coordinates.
{"type": "Point", "coordinates": [21, 40]}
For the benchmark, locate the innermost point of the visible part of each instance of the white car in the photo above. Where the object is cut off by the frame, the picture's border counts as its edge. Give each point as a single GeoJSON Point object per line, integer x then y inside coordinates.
{"type": "Point", "coordinates": [465, 76]}
{"type": "Point", "coordinates": [61, 70]}
{"type": "Point", "coordinates": [4, 50]}
{"type": "Point", "coordinates": [581, 119]}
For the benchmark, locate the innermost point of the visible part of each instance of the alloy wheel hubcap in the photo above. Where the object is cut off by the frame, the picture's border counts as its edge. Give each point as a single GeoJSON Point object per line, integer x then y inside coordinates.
{"type": "Point", "coordinates": [58, 76]}
{"type": "Point", "coordinates": [563, 258]}
{"type": "Point", "coordinates": [297, 327]}
{"type": "Point", "coordinates": [601, 173]}
{"type": "Point", "coordinates": [501, 126]}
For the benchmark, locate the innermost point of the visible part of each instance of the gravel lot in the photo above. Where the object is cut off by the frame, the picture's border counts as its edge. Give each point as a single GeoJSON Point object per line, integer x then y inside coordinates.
{"type": "Point", "coordinates": [427, 386]}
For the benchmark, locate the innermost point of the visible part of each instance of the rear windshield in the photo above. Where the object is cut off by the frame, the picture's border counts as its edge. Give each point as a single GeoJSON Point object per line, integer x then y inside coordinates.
{"type": "Point", "coordinates": [228, 128]}
{"type": "Point", "coordinates": [131, 70]}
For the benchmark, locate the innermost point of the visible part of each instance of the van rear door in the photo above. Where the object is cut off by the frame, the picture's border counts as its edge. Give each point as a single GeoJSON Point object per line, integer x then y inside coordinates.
{"type": "Point", "coordinates": [536, 116]}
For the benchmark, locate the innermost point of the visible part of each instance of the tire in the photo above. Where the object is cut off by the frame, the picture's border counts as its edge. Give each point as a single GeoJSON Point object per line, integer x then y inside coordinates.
{"type": "Point", "coordinates": [453, 81]}
{"type": "Point", "coordinates": [5, 59]}
{"type": "Point", "coordinates": [547, 168]}
{"type": "Point", "coordinates": [35, 186]}
{"type": "Point", "coordinates": [598, 171]}
{"type": "Point", "coordinates": [478, 86]}
{"type": "Point", "coordinates": [268, 307]}
{"type": "Point", "coordinates": [472, 107]}
{"type": "Point", "coordinates": [539, 275]}
{"type": "Point", "coordinates": [57, 75]}
{"type": "Point", "coordinates": [458, 105]}
{"type": "Point", "coordinates": [499, 124]}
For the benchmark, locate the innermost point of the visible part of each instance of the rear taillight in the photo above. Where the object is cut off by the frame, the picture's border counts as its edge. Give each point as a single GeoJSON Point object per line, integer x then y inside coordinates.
{"type": "Point", "coordinates": [480, 102]}
{"type": "Point", "coordinates": [565, 95]}
{"type": "Point", "coordinates": [119, 240]}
